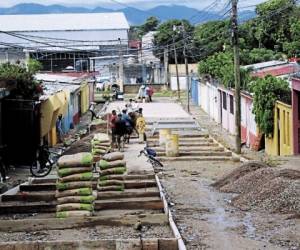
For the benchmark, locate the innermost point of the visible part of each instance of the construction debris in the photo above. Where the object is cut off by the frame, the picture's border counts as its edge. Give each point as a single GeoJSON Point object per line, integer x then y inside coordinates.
{"type": "Point", "coordinates": [261, 186]}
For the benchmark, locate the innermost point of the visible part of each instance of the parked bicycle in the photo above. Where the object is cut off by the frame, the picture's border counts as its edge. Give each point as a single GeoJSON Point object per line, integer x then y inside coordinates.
{"type": "Point", "coordinates": [151, 154]}
{"type": "Point", "coordinates": [45, 160]}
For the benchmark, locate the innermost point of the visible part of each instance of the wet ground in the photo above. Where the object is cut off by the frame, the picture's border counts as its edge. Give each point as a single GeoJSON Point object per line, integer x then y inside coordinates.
{"type": "Point", "coordinates": [207, 220]}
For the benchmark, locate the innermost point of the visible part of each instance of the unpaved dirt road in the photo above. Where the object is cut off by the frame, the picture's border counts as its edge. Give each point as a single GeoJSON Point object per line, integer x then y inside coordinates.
{"type": "Point", "coordinates": [206, 219]}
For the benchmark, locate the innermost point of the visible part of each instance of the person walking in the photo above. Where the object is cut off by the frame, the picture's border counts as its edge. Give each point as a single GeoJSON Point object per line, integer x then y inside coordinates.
{"type": "Point", "coordinates": [112, 125]}
{"type": "Point", "coordinates": [59, 130]}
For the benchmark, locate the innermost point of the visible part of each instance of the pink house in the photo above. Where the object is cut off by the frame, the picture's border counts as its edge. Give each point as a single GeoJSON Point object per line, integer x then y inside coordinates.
{"type": "Point", "coordinates": [250, 134]}
{"type": "Point", "coordinates": [296, 113]}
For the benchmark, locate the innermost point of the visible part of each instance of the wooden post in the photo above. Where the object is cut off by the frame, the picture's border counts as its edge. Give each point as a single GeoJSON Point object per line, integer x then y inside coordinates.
{"type": "Point", "coordinates": [166, 64]}
{"type": "Point", "coordinates": [237, 76]}
{"type": "Point", "coordinates": [187, 77]}
{"type": "Point", "coordinates": [177, 74]}
{"type": "Point", "coordinates": [121, 67]}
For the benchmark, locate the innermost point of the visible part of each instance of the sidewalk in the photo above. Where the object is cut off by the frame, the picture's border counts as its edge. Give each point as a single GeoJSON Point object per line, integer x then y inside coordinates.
{"type": "Point", "coordinates": [216, 131]}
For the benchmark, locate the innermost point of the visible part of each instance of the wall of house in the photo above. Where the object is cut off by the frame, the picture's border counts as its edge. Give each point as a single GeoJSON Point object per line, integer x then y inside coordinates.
{"type": "Point", "coordinates": [281, 143]}
{"type": "Point", "coordinates": [228, 110]}
{"type": "Point", "coordinates": [85, 101]}
{"type": "Point", "coordinates": [296, 114]}
{"type": "Point", "coordinates": [213, 102]}
{"type": "Point", "coordinates": [204, 96]}
{"type": "Point", "coordinates": [249, 130]}
{"type": "Point", "coordinates": [195, 91]}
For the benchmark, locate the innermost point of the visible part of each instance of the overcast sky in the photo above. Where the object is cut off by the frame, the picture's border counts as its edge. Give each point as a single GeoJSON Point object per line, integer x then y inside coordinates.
{"type": "Point", "coordinates": [199, 4]}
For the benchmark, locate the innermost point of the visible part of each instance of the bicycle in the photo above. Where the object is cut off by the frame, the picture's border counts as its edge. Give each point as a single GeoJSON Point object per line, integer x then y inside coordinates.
{"type": "Point", "coordinates": [45, 160]}
{"type": "Point", "coordinates": [151, 154]}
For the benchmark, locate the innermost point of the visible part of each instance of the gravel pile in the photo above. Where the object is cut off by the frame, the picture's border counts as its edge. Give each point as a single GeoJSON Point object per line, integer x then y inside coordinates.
{"type": "Point", "coordinates": [276, 191]}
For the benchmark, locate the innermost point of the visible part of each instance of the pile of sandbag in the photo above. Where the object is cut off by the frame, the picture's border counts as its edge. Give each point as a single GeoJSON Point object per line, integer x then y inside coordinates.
{"type": "Point", "coordinates": [74, 190]}
{"type": "Point", "coordinates": [111, 165]}
{"type": "Point", "coordinates": [100, 146]}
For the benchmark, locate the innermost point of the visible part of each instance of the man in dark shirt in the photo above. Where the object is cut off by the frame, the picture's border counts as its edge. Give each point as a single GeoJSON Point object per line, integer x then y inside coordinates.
{"type": "Point", "coordinates": [120, 130]}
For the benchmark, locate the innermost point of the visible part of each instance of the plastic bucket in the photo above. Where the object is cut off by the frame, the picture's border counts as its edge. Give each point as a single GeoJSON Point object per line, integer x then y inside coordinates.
{"type": "Point", "coordinates": [163, 134]}
{"type": "Point", "coordinates": [172, 145]}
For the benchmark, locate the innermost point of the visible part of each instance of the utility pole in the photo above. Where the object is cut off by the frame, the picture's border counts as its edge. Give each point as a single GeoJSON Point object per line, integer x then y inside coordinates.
{"type": "Point", "coordinates": [187, 77]}
{"type": "Point", "coordinates": [121, 68]}
{"type": "Point", "coordinates": [176, 63]}
{"type": "Point", "coordinates": [166, 65]}
{"type": "Point", "coordinates": [237, 76]}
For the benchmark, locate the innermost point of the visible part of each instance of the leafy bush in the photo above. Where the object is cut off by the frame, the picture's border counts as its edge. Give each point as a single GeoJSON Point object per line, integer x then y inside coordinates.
{"type": "Point", "coordinates": [266, 92]}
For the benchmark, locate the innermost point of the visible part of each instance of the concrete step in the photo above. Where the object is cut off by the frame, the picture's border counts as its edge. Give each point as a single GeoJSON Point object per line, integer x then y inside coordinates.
{"type": "Point", "coordinates": [131, 193]}
{"type": "Point", "coordinates": [196, 149]}
{"type": "Point", "coordinates": [187, 140]}
{"type": "Point", "coordinates": [182, 135]}
{"type": "Point", "coordinates": [197, 153]}
{"type": "Point", "coordinates": [195, 158]}
{"type": "Point", "coordinates": [153, 203]}
{"type": "Point", "coordinates": [188, 144]}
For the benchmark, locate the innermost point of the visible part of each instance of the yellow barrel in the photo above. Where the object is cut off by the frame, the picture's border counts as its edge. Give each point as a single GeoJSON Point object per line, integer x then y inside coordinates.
{"type": "Point", "coordinates": [163, 134]}
{"type": "Point", "coordinates": [172, 145]}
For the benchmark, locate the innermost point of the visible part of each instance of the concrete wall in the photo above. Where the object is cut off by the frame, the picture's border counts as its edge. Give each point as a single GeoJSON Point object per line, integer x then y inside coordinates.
{"type": "Point", "coordinates": [181, 69]}
{"type": "Point", "coordinates": [282, 141]}
{"type": "Point", "coordinates": [182, 83]}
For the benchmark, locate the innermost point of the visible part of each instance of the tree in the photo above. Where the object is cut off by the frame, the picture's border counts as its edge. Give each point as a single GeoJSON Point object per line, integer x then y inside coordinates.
{"type": "Point", "coordinates": [19, 81]}
{"type": "Point", "coordinates": [220, 67]}
{"type": "Point", "coordinates": [165, 36]}
{"type": "Point", "coordinates": [34, 66]}
{"type": "Point", "coordinates": [150, 24]}
{"type": "Point", "coordinates": [212, 37]}
{"type": "Point", "coordinates": [266, 92]}
{"type": "Point", "coordinates": [273, 23]}
{"type": "Point", "coordinates": [258, 55]}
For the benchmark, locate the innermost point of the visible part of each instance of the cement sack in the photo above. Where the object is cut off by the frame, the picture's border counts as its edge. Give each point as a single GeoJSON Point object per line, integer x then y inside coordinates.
{"type": "Point", "coordinates": [88, 176]}
{"type": "Point", "coordinates": [70, 171]}
{"type": "Point", "coordinates": [113, 156]}
{"type": "Point", "coordinates": [103, 144]}
{"type": "Point", "coordinates": [69, 214]}
{"type": "Point", "coordinates": [62, 186]}
{"type": "Point", "coordinates": [76, 160]}
{"type": "Point", "coordinates": [97, 151]}
{"type": "Point", "coordinates": [74, 192]}
{"type": "Point", "coordinates": [103, 147]}
{"type": "Point", "coordinates": [112, 171]}
{"type": "Point", "coordinates": [110, 183]}
{"type": "Point", "coordinates": [101, 137]}
{"type": "Point", "coordinates": [77, 199]}
{"type": "Point", "coordinates": [112, 177]}
{"type": "Point", "coordinates": [74, 207]}
{"type": "Point", "coordinates": [112, 164]}
{"type": "Point", "coordinates": [110, 188]}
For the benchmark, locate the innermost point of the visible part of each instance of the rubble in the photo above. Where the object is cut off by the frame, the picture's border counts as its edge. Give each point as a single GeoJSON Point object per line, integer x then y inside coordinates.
{"type": "Point", "coordinates": [260, 186]}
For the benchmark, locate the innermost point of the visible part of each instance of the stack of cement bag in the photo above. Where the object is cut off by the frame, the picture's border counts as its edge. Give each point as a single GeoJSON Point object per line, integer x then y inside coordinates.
{"type": "Point", "coordinates": [100, 146]}
{"type": "Point", "coordinates": [74, 191]}
{"type": "Point", "coordinates": [112, 167]}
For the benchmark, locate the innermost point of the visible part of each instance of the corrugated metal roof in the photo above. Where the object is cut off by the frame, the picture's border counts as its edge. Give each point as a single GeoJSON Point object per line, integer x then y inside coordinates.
{"type": "Point", "coordinates": [280, 70]}
{"type": "Point", "coordinates": [262, 65]}
{"type": "Point", "coordinates": [61, 22]}
{"type": "Point", "coordinates": [57, 78]}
